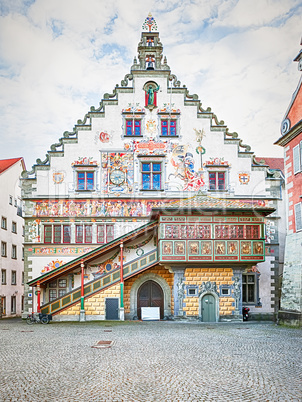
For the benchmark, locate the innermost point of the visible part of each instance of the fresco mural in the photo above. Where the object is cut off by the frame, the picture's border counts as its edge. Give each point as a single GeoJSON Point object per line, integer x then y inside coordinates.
{"type": "Point", "coordinates": [183, 162]}
{"type": "Point", "coordinates": [78, 208]}
{"type": "Point", "coordinates": [51, 266]}
{"type": "Point", "coordinates": [117, 172]}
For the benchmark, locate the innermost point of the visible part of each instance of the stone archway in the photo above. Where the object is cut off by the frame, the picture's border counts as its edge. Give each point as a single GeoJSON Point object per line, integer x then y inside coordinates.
{"type": "Point", "coordinates": [137, 284]}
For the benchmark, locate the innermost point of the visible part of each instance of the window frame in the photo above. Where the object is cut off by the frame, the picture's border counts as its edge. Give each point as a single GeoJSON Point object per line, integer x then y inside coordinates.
{"type": "Point", "coordinates": [3, 277]}
{"type": "Point", "coordinates": [87, 185]}
{"type": "Point", "coordinates": [14, 251]}
{"type": "Point", "coordinates": [4, 223]}
{"type": "Point", "coordinates": [14, 227]}
{"type": "Point", "coordinates": [151, 174]}
{"type": "Point", "coordinates": [245, 288]}
{"type": "Point", "coordinates": [133, 126]}
{"type": "Point", "coordinates": [297, 158]}
{"type": "Point", "coordinates": [3, 249]}
{"type": "Point", "coordinates": [217, 173]}
{"type": "Point", "coordinates": [168, 128]}
{"type": "Point", "coordinates": [14, 278]}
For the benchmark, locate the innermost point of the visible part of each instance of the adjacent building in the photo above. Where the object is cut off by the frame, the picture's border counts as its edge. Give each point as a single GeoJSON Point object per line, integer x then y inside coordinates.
{"type": "Point", "coordinates": [291, 139]}
{"type": "Point", "coordinates": [11, 237]}
{"type": "Point", "coordinates": [150, 205]}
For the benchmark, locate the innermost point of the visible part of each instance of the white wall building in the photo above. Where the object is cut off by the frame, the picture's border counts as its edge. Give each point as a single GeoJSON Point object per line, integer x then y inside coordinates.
{"type": "Point", "coordinates": [12, 238]}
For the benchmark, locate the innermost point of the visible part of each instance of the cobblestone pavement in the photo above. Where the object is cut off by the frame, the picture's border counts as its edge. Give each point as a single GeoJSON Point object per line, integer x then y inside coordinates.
{"type": "Point", "coordinates": [150, 361]}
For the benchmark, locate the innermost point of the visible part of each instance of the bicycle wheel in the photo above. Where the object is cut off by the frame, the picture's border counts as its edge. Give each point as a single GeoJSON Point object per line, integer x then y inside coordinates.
{"type": "Point", "coordinates": [44, 319]}
{"type": "Point", "coordinates": [30, 320]}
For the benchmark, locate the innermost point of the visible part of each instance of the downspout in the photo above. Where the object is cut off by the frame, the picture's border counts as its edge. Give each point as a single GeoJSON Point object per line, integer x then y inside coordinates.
{"type": "Point", "coordinates": [122, 313]}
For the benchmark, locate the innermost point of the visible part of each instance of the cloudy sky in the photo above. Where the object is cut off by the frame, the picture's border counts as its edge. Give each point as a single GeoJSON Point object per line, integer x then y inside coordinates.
{"type": "Point", "coordinates": [58, 58]}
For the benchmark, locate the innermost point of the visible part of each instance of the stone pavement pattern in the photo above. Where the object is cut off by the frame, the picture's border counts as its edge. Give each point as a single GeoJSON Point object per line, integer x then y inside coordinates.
{"type": "Point", "coordinates": [150, 361]}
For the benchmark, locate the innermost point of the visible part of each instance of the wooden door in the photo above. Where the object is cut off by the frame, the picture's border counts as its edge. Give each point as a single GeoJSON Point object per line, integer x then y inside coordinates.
{"type": "Point", "coordinates": [150, 294]}
{"type": "Point", "coordinates": [208, 308]}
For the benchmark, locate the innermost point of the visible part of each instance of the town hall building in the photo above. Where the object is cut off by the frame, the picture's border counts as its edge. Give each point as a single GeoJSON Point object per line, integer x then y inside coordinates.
{"type": "Point", "coordinates": [151, 208]}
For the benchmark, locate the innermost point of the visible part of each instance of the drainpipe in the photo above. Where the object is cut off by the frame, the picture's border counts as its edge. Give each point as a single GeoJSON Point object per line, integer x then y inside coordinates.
{"type": "Point", "coordinates": [82, 312]}
{"type": "Point", "coordinates": [122, 313]}
{"type": "Point", "coordinates": [38, 297]}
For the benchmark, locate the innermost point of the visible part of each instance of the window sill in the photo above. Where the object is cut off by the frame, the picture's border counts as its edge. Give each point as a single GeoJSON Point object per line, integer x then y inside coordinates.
{"type": "Point", "coordinates": [131, 136]}
{"type": "Point", "coordinates": [170, 136]}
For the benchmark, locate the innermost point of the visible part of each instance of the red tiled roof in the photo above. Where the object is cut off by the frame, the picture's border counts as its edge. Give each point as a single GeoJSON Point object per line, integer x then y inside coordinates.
{"type": "Point", "coordinates": [273, 163]}
{"type": "Point", "coordinates": [6, 163]}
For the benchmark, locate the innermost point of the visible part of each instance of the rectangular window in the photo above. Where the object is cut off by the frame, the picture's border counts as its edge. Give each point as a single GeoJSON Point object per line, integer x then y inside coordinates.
{"type": "Point", "coordinates": [168, 128]}
{"type": "Point", "coordinates": [57, 229]}
{"type": "Point", "coordinates": [62, 292]}
{"type": "Point", "coordinates": [88, 234]}
{"type": "Point", "coordinates": [62, 283]}
{"type": "Point", "coordinates": [14, 251]}
{"type": "Point", "coordinates": [22, 304]}
{"type": "Point", "coordinates": [52, 294]}
{"type": "Point", "coordinates": [10, 200]}
{"type": "Point", "coordinates": [151, 176]}
{"type": "Point", "coordinates": [66, 234]}
{"type": "Point", "coordinates": [3, 276]}
{"type": "Point", "coordinates": [85, 181]}
{"type": "Point", "coordinates": [14, 227]}
{"type": "Point", "coordinates": [248, 288]}
{"type": "Point", "coordinates": [101, 234]}
{"type": "Point", "coordinates": [3, 223]}
{"type": "Point", "coordinates": [22, 279]}
{"type": "Point", "coordinates": [298, 217]}
{"type": "Point", "coordinates": [79, 233]}
{"type": "Point", "coordinates": [110, 233]}
{"type": "Point", "coordinates": [133, 127]}
{"type": "Point", "coordinates": [296, 158]}
{"type": "Point", "coordinates": [13, 305]}
{"type": "Point", "coordinates": [22, 253]}
{"type": "Point", "coordinates": [252, 232]}
{"type": "Point", "coordinates": [14, 277]}
{"type": "Point", "coordinates": [3, 249]}
{"type": "Point", "coordinates": [217, 180]}
{"type": "Point", "coordinates": [23, 231]}
{"type": "Point", "coordinates": [47, 234]}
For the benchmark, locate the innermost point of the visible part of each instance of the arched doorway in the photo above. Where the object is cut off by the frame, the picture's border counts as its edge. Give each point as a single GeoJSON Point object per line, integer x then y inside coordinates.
{"type": "Point", "coordinates": [150, 294]}
{"type": "Point", "coordinates": [208, 308]}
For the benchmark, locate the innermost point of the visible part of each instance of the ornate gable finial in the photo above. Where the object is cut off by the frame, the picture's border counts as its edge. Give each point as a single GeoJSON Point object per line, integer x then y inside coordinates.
{"type": "Point", "coordinates": [150, 23]}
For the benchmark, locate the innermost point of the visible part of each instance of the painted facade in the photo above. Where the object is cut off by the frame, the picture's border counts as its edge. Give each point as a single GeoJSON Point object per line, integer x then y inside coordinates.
{"type": "Point", "coordinates": [148, 144]}
{"type": "Point", "coordinates": [291, 140]}
{"type": "Point", "coordinates": [11, 237]}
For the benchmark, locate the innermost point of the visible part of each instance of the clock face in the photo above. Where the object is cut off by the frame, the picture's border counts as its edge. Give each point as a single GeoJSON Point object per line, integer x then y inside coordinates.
{"type": "Point", "coordinates": [117, 177]}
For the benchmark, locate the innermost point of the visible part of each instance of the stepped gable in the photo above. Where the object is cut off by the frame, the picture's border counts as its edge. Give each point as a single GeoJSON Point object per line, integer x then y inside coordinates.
{"type": "Point", "coordinates": [150, 58]}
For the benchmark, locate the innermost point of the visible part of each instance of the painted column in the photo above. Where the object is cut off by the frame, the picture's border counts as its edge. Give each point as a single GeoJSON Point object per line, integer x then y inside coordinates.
{"type": "Point", "coordinates": [122, 311]}
{"type": "Point", "coordinates": [38, 298]}
{"type": "Point", "coordinates": [178, 291]}
{"type": "Point", "coordinates": [82, 312]}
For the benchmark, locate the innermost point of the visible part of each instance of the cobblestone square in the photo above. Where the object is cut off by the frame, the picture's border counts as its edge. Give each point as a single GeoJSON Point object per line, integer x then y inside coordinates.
{"type": "Point", "coordinates": [150, 361]}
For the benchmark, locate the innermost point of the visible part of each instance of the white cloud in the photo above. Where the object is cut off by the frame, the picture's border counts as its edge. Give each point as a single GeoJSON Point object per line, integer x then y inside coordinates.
{"type": "Point", "coordinates": [59, 57]}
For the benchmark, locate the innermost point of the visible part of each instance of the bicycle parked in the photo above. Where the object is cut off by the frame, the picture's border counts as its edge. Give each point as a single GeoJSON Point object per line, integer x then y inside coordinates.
{"type": "Point", "coordinates": [35, 319]}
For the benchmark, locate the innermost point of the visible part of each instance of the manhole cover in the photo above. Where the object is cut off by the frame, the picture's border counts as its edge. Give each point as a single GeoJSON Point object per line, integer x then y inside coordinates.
{"type": "Point", "coordinates": [107, 330]}
{"type": "Point", "coordinates": [26, 331]}
{"type": "Point", "coordinates": [5, 329]}
{"type": "Point", "coordinates": [103, 344]}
